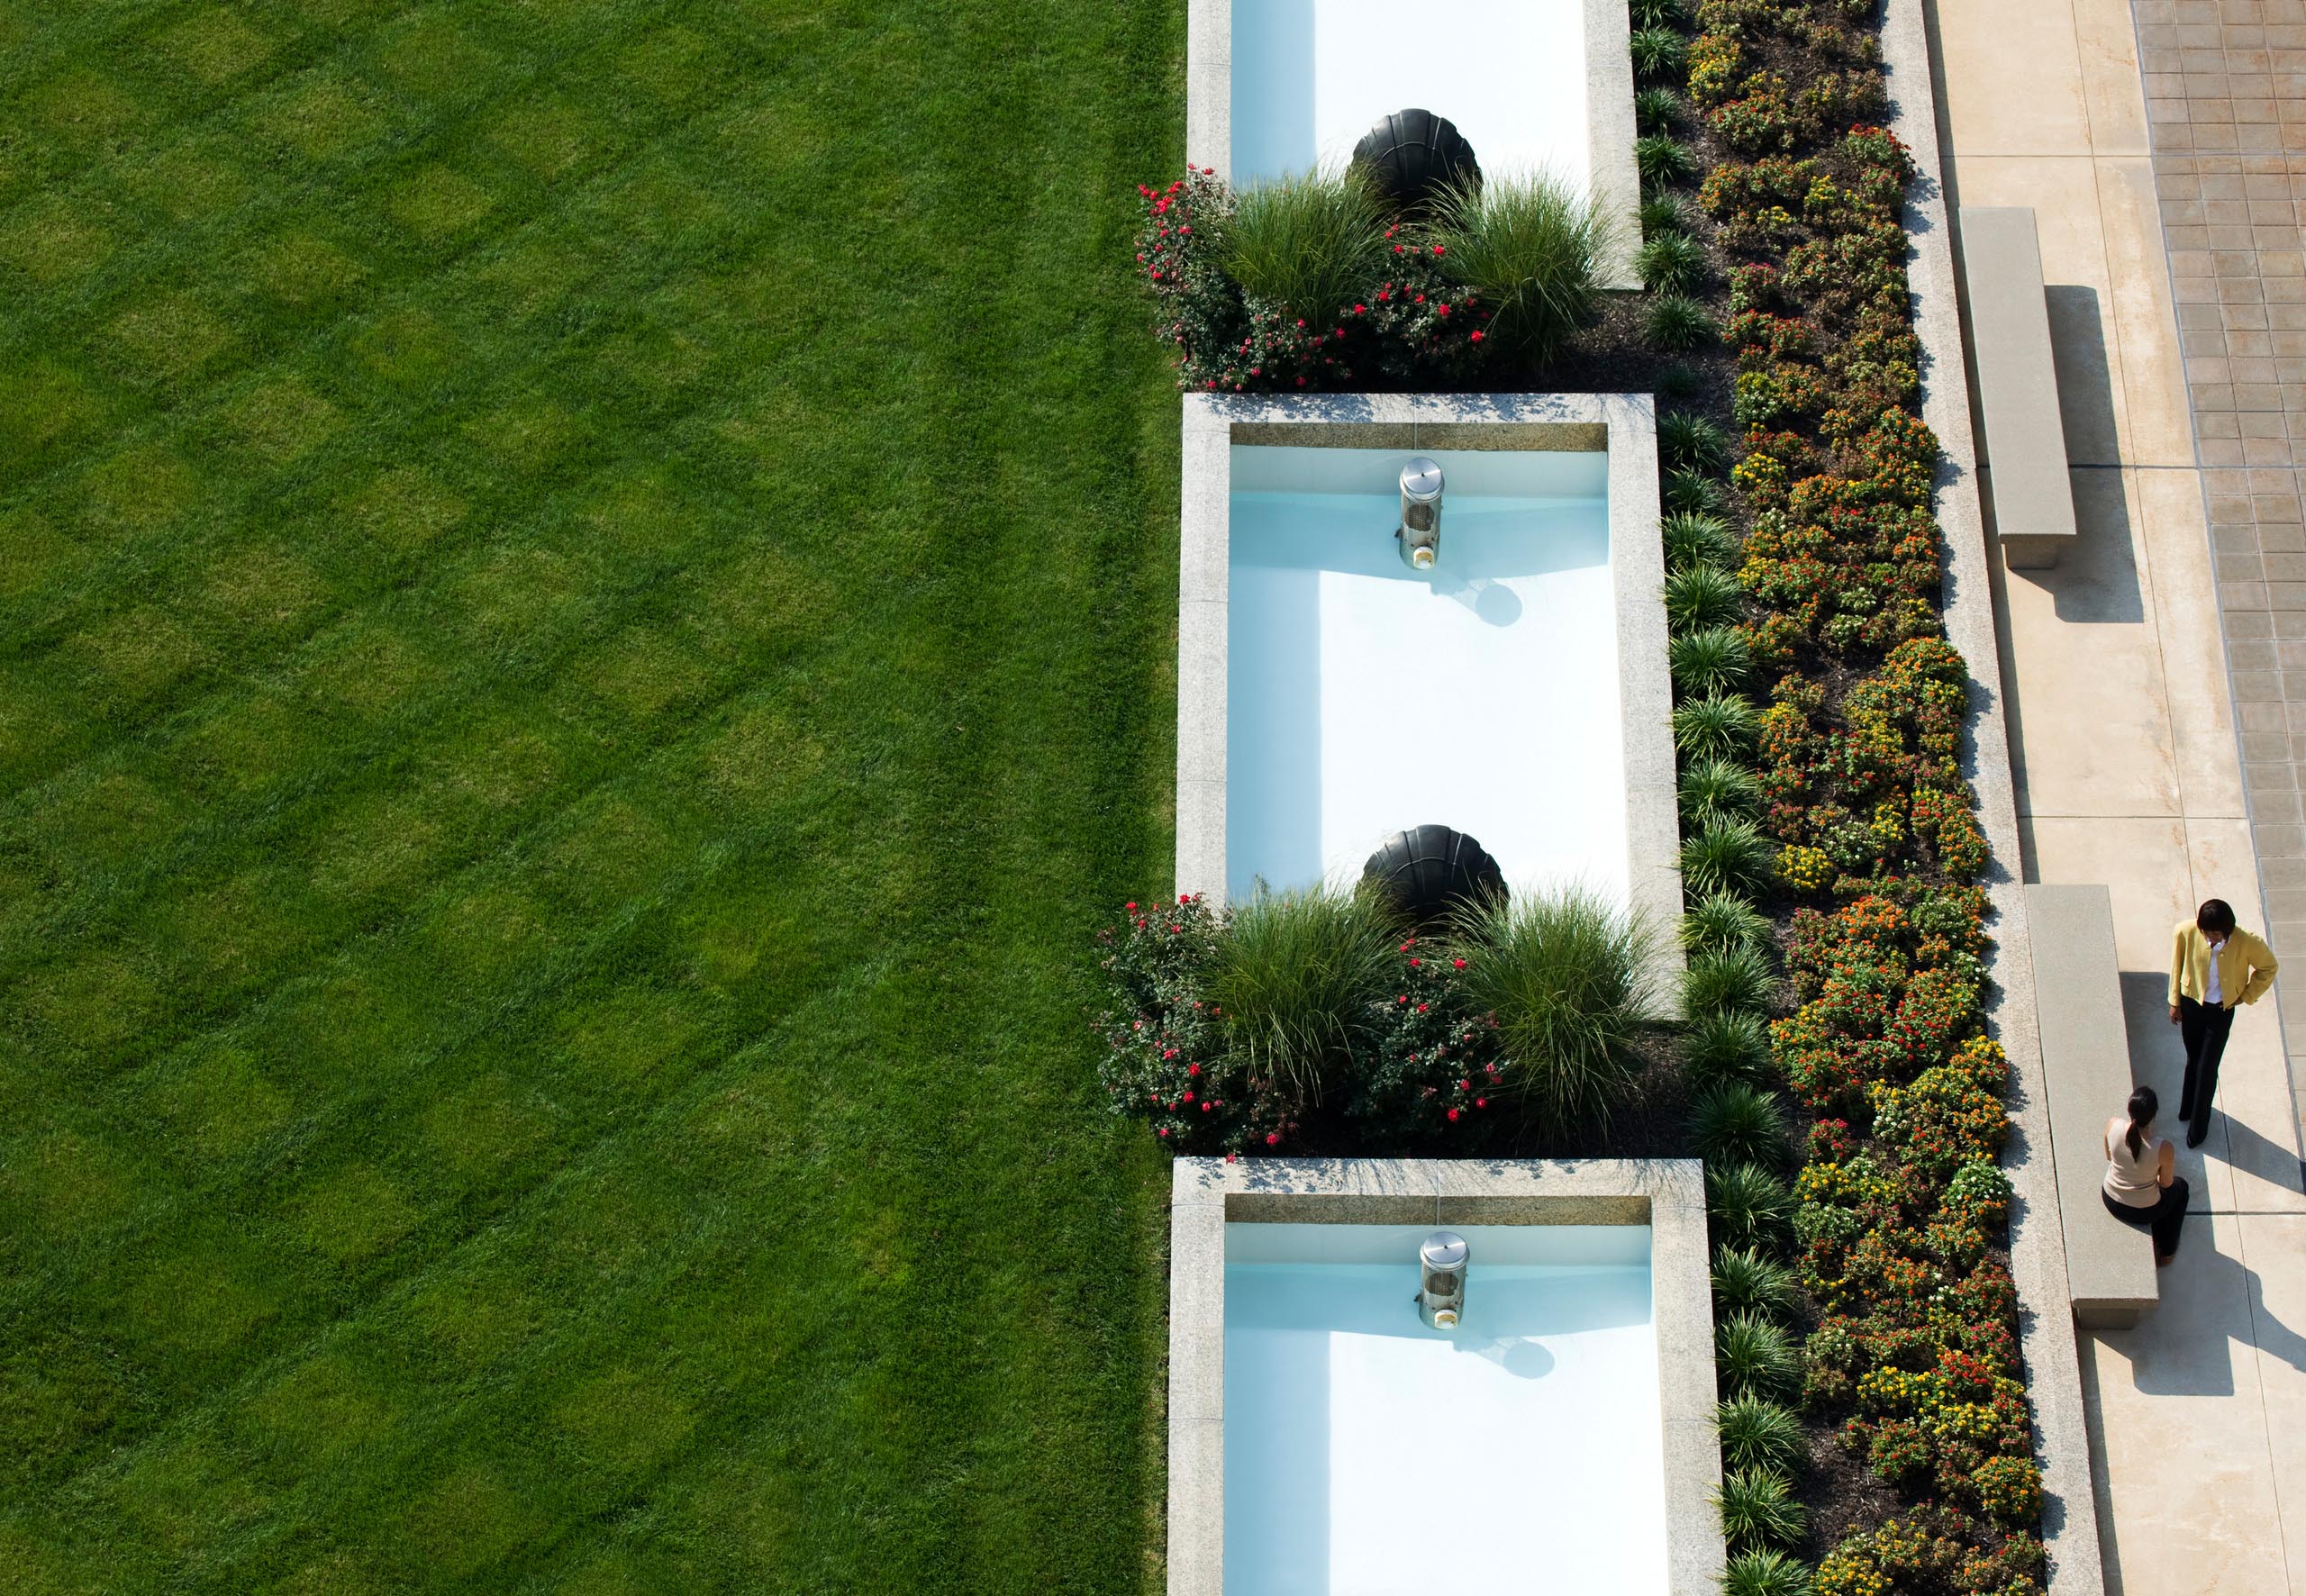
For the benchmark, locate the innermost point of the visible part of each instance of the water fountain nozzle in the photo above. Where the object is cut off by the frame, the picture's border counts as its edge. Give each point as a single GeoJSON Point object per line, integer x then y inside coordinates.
{"type": "Point", "coordinates": [1419, 535]}
{"type": "Point", "coordinates": [1442, 1279]}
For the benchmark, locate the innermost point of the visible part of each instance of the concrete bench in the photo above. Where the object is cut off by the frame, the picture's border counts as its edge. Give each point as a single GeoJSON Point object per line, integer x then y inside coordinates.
{"type": "Point", "coordinates": [2021, 454]}
{"type": "Point", "coordinates": [2085, 1073]}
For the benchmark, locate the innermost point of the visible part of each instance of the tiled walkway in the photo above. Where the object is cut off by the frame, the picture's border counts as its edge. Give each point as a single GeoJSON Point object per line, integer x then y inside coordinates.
{"type": "Point", "coordinates": [2124, 736]}
{"type": "Point", "coordinates": [2224, 85]}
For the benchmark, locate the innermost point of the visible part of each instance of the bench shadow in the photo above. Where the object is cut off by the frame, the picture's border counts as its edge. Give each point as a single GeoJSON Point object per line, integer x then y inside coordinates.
{"type": "Point", "coordinates": [2095, 582]}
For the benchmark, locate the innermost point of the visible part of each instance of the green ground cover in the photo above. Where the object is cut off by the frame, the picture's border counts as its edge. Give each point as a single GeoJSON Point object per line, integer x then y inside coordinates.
{"type": "Point", "coordinates": [586, 601]}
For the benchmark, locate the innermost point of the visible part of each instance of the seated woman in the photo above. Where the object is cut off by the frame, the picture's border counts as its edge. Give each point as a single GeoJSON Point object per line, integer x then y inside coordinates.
{"type": "Point", "coordinates": [2143, 1189]}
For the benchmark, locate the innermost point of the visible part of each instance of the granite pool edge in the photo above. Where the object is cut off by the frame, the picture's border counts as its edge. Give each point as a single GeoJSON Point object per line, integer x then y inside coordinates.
{"type": "Point", "coordinates": [1667, 1195]}
{"type": "Point", "coordinates": [1623, 425]}
{"type": "Point", "coordinates": [2036, 1229]}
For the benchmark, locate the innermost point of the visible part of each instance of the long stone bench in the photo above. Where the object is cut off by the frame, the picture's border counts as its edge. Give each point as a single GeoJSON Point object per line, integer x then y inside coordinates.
{"type": "Point", "coordinates": [2085, 1073]}
{"type": "Point", "coordinates": [2021, 456]}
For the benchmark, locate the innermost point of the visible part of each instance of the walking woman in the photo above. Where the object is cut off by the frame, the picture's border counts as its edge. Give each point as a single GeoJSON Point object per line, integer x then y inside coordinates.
{"type": "Point", "coordinates": [2144, 1189]}
{"type": "Point", "coordinates": [2214, 970]}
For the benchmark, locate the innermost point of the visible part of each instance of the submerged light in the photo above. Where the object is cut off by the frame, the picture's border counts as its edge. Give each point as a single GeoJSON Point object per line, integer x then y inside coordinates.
{"type": "Point", "coordinates": [1419, 531]}
{"type": "Point", "coordinates": [1442, 1279]}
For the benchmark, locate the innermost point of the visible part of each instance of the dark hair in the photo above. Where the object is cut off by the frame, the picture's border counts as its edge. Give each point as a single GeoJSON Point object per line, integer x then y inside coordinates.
{"type": "Point", "coordinates": [2215, 918]}
{"type": "Point", "coordinates": [2143, 1105]}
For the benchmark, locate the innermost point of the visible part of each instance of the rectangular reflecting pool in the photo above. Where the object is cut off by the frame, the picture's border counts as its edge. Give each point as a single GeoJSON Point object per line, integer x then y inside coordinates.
{"type": "Point", "coordinates": [1366, 1454]}
{"type": "Point", "coordinates": [1365, 697]}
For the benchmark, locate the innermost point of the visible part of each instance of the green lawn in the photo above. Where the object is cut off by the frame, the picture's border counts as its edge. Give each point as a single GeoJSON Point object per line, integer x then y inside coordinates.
{"type": "Point", "coordinates": [586, 631]}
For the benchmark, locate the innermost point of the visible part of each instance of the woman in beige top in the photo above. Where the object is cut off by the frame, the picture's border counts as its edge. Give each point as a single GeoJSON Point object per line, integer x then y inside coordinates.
{"type": "Point", "coordinates": [2143, 1188]}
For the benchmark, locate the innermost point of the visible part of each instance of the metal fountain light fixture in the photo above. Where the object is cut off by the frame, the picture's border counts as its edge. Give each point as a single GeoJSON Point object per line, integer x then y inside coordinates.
{"type": "Point", "coordinates": [1442, 1279]}
{"type": "Point", "coordinates": [1419, 534]}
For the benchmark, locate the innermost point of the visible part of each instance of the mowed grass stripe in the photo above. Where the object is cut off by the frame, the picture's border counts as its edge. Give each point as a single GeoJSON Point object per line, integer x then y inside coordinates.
{"type": "Point", "coordinates": [137, 563]}
{"type": "Point", "coordinates": [913, 1378]}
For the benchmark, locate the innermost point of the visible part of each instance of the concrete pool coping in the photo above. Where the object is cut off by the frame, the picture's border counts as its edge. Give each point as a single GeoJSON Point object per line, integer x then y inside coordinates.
{"type": "Point", "coordinates": [1613, 179]}
{"type": "Point", "coordinates": [1668, 1195]}
{"type": "Point", "coordinates": [1622, 425]}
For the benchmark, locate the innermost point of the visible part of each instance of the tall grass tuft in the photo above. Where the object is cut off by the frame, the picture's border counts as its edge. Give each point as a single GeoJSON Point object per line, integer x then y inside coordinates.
{"type": "Point", "coordinates": [1657, 53]}
{"type": "Point", "coordinates": [1691, 442]}
{"type": "Point", "coordinates": [1710, 660]}
{"type": "Point", "coordinates": [1716, 727]}
{"type": "Point", "coordinates": [1755, 1358]}
{"type": "Point", "coordinates": [1719, 922]}
{"type": "Point", "coordinates": [1697, 537]}
{"type": "Point", "coordinates": [1757, 1433]}
{"type": "Point", "coordinates": [1727, 980]}
{"type": "Point", "coordinates": [1310, 242]}
{"type": "Point", "coordinates": [1657, 110]}
{"type": "Point", "coordinates": [1739, 1123]}
{"type": "Point", "coordinates": [1714, 790]}
{"type": "Point", "coordinates": [1528, 246]}
{"type": "Point", "coordinates": [1758, 1510]}
{"type": "Point", "coordinates": [1663, 213]}
{"type": "Point", "coordinates": [1747, 1206]}
{"type": "Point", "coordinates": [1567, 975]}
{"type": "Point", "coordinates": [1296, 972]}
{"type": "Point", "coordinates": [1745, 1282]}
{"type": "Point", "coordinates": [1728, 856]}
{"type": "Point", "coordinates": [1726, 1047]}
{"type": "Point", "coordinates": [1767, 1573]}
{"type": "Point", "coordinates": [1659, 14]}
{"type": "Point", "coordinates": [1677, 323]}
{"type": "Point", "coordinates": [1703, 595]}
{"type": "Point", "coordinates": [1670, 263]}
{"type": "Point", "coordinates": [1689, 493]}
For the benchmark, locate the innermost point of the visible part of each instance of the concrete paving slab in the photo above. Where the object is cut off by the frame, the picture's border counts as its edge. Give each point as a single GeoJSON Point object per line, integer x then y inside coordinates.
{"type": "Point", "coordinates": [2013, 81]}
{"type": "Point", "coordinates": [2089, 720]}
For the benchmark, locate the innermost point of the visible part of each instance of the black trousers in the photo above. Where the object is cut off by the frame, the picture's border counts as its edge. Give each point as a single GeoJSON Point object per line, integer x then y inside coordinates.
{"type": "Point", "coordinates": [2205, 1030]}
{"type": "Point", "coordinates": [2166, 1218]}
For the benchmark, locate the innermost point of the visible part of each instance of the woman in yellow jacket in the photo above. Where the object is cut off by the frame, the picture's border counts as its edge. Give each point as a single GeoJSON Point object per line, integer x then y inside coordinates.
{"type": "Point", "coordinates": [2214, 968]}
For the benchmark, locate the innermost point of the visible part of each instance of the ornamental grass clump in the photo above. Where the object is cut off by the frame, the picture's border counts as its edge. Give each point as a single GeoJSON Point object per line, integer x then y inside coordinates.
{"type": "Point", "coordinates": [1703, 595]}
{"type": "Point", "coordinates": [1747, 1206]}
{"type": "Point", "coordinates": [1295, 977]}
{"type": "Point", "coordinates": [1757, 1433]}
{"type": "Point", "coordinates": [1744, 1281]}
{"type": "Point", "coordinates": [1755, 1357]}
{"type": "Point", "coordinates": [1726, 981]}
{"type": "Point", "coordinates": [1758, 1510]}
{"type": "Point", "coordinates": [1689, 493]}
{"type": "Point", "coordinates": [1657, 110]}
{"type": "Point", "coordinates": [1726, 856]}
{"type": "Point", "coordinates": [1565, 975]}
{"type": "Point", "coordinates": [1712, 660]}
{"type": "Point", "coordinates": [1765, 1572]}
{"type": "Point", "coordinates": [1311, 244]}
{"type": "Point", "coordinates": [1688, 442]}
{"type": "Point", "coordinates": [1696, 538]}
{"type": "Point", "coordinates": [1726, 1047]}
{"type": "Point", "coordinates": [1739, 1122]}
{"type": "Point", "coordinates": [1658, 53]}
{"type": "Point", "coordinates": [1717, 790]}
{"type": "Point", "coordinates": [1677, 323]}
{"type": "Point", "coordinates": [1719, 922]}
{"type": "Point", "coordinates": [1670, 263]}
{"type": "Point", "coordinates": [1527, 248]}
{"type": "Point", "coordinates": [1718, 726]}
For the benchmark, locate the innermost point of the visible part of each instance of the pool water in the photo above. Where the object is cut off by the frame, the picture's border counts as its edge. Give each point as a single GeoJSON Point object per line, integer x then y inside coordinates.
{"type": "Point", "coordinates": [1310, 76]}
{"type": "Point", "coordinates": [1366, 1454]}
{"type": "Point", "coordinates": [1364, 697]}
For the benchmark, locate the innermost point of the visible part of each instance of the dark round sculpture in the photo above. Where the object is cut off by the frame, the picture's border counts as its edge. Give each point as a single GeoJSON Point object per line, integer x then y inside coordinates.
{"type": "Point", "coordinates": [1429, 872]}
{"type": "Point", "coordinates": [1413, 155]}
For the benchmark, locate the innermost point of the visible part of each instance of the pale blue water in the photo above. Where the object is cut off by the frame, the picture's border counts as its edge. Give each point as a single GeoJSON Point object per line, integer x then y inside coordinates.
{"type": "Point", "coordinates": [1368, 1455]}
{"type": "Point", "coordinates": [1364, 697]}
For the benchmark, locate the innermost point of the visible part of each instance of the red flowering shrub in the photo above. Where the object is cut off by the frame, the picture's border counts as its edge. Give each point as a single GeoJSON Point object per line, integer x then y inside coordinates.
{"type": "Point", "coordinates": [1166, 1058]}
{"type": "Point", "coordinates": [1412, 326]}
